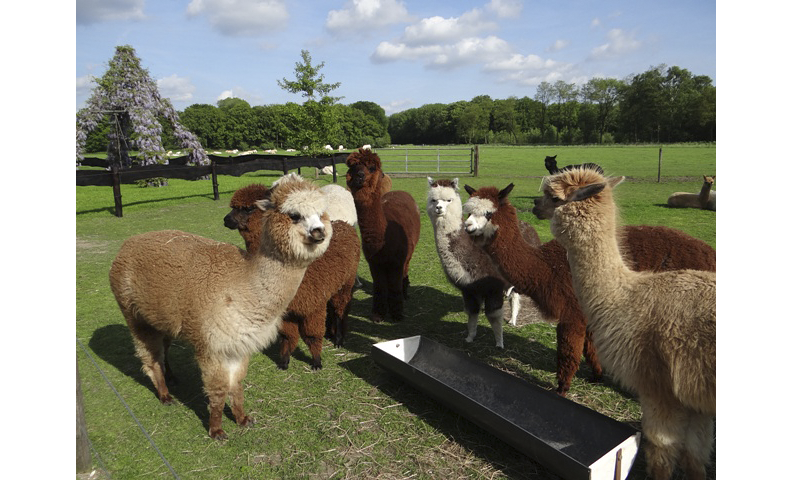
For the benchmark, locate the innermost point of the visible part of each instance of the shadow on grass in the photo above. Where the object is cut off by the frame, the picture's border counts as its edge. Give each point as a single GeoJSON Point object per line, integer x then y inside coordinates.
{"type": "Point", "coordinates": [113, 344]}
{"type": "Point", "coordinates": [111, 209]}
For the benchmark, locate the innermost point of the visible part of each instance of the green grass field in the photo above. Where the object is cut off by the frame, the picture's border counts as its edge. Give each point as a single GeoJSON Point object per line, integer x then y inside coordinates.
{"type": "Point", "coordinates": [351, 419]}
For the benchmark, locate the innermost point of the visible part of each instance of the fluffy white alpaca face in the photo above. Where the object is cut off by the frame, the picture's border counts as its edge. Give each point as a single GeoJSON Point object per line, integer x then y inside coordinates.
{"type": "Point", "coordinates": [439, 198]}
{"type": "Point", "coordinates": [479, 220]}
{"type": "Point", "coordinates": [306, 209]}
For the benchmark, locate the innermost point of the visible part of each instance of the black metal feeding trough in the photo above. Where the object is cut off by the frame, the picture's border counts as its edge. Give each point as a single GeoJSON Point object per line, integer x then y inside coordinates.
{"type": "Point", "coordinates": [573, 441]}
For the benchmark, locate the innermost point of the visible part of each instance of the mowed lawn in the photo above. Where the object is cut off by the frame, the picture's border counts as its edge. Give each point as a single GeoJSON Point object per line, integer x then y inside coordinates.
{"type": "Point", "coordinates": [351, 419]}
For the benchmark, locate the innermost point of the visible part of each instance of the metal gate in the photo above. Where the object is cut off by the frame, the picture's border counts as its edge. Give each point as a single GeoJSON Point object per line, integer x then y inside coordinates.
{"type": "Point", "coordinates": [419, 161]}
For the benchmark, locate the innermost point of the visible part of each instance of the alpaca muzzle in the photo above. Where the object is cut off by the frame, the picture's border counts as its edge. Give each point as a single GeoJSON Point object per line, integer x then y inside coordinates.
{"type": "Point", "coordinates": [317, 235]}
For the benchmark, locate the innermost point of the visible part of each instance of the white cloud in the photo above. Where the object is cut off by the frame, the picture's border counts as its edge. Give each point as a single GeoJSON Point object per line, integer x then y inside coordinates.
{"type": "Point", "coordinates": [95, 11]}
{"type": "Point", "coordinates": [365, 14]}
{"type": "Point", "coordinates": [241, 17]}
{"type": "Point", "coordinates": [444, 56]}
{"type": "Point", "coordinates": [437, 29]}
{"type": "Point", "coordinates": [619, 43]}
{"type": "Point", "coordinates": [177, 89]}
{"type": "Point", "coordinates": [396, 106]}
{"type": "Point", "coordinates": [558, 45]}
{"type": "Point", "coordinates": [595, 22]}
{"type": "Point", "coordinates": [505, 8]}
{"type": "Point", "coordinates": [527, 70]}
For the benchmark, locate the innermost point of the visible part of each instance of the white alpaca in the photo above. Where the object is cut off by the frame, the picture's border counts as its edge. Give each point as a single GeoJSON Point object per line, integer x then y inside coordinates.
{"type": "Point", "coordinates": [465, 264]}
{"type": "Point", "coordinates": [655, 333]}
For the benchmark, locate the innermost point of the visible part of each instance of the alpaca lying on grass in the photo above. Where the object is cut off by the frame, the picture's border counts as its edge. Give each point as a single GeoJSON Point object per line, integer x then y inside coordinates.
{"type": "Point", "coordinates": [466, 266]}
{"type": "Point", "coordinates": [322, 302]}
{"type": "Point", "coordinates": [654, 332]}
{"type": "Point", "coordinates": [228, 304]}
{"type": "Point", "coordinates": [543, 274]}
{"type": "Point", "coordinates": [390, 226]}
{"type": "Point", "coordinates": [706, 199]}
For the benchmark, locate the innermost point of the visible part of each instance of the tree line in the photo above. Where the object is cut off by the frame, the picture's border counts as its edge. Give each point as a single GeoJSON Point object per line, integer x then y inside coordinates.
{"type": "Point", "coordinates": [662, 105]}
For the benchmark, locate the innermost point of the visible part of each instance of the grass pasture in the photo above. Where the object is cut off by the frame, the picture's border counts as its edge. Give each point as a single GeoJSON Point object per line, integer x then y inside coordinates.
{"type": "Point", "coordinates": [351, 419]}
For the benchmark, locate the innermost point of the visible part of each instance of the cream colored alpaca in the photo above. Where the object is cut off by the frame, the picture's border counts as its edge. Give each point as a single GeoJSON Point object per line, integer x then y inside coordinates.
{"type": "Point", "coordinates": [225, 302]}
{"type": "Point", "coordinates": [706, 199]}
{"type": "Point", "coordinates": [654, 332]}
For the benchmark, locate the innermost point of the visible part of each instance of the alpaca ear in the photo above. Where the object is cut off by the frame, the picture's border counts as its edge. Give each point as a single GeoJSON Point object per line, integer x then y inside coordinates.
{"type": "Point", "coordinates": [430, 182]}
{"type": "Point", "coordinates": [469, 189]}
{"type": "Point", "coordinates": [613, 182]}
{"type": "Point", "coordinates": [504, 192]}
{"type": "Point", "coordinates": [585, 192]}
{"type": "Point", "coordinates": [455, 184]}
{"type": "Point", "coordinates": [265, 204]}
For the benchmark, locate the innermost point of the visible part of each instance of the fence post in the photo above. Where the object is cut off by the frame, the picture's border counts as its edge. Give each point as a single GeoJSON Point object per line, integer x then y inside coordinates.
{"type": "Point", "coordinates": [477, 156]}
{"type": "Point", "coordinates": [659, 165]}
{"type": "Point", "coordinates": [117, 191]}
{"type": "Point", "coordinates": [214, 183]}
{"type": "Point", "coordinates": [83, 456]}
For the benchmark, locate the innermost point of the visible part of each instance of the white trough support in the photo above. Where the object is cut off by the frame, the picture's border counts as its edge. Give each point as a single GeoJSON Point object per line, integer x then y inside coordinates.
{"type": "Point", "coordinates": [573, 441]}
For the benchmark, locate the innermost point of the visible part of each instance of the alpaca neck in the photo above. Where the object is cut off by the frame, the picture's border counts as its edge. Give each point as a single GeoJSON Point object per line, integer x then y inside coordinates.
{"type": "Point", "coordinates": [596, 265]}
{"type": "Point", "coordinates": [705, 193]}
{"type": "Point", "coordinates": [371, 220]}
{"type": "Point", "coordinates": [517, 260]}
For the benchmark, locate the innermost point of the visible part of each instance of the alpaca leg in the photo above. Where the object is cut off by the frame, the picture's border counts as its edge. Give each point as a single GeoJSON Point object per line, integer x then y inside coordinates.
{"type": "Point", "coordinates": [168, 375]}
{"type": "Point", "coordinates": [514, 299]}
{"type": "Point", "coordinates": [472, 306]}
{"type": "Point", "coordinates": [569, 347]}
{"type": "Point", "coordinates": [380, 294]}
{"type": "Point", "coordinates": [663, 424]}
{"type": "Point", "coordinates": [494, 312]}
{"type": "Point", "coordinates": [697, 445]}
{"type": "Point", "coordinates": [289, 336]}
{"type": "Point", "coordinates": [149, 346]}
{"type": "Point", "coordinates": [496, 321]}
{"type": "Point", "coordinates": [338, 310]}
{"type": "Point", "coordinates": [406, 285]}
{"type": "Point", "coordinates": [216, 383]}
{"type": "Point", "coordinates": [236, 373]}
{"type": "Point", "coordinates": [395, 295]}
{"type": "Point", "coordinates": [590, 354]}
{"type": "Point", "coordinates": [312, 331]}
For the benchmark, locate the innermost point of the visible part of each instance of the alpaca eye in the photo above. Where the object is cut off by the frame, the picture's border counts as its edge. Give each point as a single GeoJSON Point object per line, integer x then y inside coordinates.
{"type": "Point", "coordinates": [295, 217]}
{"type": "Point", "coordinates": [372, 169]}
{"type": "Point", "coordinates": [488, 215]}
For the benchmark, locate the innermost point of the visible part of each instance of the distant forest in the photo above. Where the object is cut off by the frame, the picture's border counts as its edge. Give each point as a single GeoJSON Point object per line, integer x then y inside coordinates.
{"type": "Point", "coordinates": [662, 105]}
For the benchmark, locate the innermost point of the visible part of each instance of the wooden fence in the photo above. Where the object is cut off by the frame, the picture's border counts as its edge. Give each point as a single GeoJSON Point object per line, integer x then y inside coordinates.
{"type": "Point", "coordinates": [178, 168]}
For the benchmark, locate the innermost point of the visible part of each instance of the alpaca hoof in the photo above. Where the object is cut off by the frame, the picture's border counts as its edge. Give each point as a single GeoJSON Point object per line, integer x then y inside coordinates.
{"type": "Point", "coordinates": [166, 399]}
{"type": "Point", "coordinates": [376, 318]}
{"type": "Point", "coordinates": [562, 391]}
{"type": "Point", "coordinates": [283, 365]}
{"type": "Point", "coordinates": [316, 367]}
{"type": "Point", "coordinates": [247, 421]}
{"type": "Point", "coordinates": [469, 339]}
{"type": "Point", "coordinates": [218, 434]}
{"type": "Point", "coordinates": [500, 346]}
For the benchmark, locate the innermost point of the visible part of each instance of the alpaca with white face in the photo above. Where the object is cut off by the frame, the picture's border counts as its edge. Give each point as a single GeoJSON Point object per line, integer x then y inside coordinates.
{"type": "Point", "coordinates": [466, 266]}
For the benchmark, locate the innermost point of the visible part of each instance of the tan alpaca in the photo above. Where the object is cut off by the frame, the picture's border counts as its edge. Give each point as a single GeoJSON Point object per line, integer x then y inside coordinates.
{"type": "Point", "coordinates": [706, 199]}
{"type": "Point", "coordinates": [655, 333]}
{"type": "Point", "coordinates": [225, 302]}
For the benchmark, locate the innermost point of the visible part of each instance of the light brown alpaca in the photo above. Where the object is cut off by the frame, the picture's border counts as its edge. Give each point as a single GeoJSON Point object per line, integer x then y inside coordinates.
{"type": "Point", "coordinates": [322, 302]}
{"type": "Point", "coordinates": [225, 302]}
{"type": "Point", "coordinates": [390, 226]}
{"type": "Point", "coordinates": [654, 332]}
{"type": "Point", "coordinates": [706, 199]}
{"type": "Point", "coordinates": [543, 273]}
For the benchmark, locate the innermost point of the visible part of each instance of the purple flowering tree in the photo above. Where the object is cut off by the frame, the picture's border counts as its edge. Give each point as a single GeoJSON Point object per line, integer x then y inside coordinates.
{"type": "Point", "coordinates": [128, 98]}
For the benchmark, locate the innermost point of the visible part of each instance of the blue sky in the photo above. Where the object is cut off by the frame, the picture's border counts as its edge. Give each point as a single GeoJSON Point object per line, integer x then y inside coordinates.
{"type": "Point", "coordinates": [398, 54]}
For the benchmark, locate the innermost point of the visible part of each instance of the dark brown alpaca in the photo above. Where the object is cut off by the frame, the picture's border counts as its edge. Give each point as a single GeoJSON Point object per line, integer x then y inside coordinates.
{"type": "Point", "coordinates": [322, 302]}
{"type": "Point", "coordinates": [551, 165]}
{"type": "Point", "coordinates": [390, 225]}
{"type": "Point", "coordinates": [543, 273]}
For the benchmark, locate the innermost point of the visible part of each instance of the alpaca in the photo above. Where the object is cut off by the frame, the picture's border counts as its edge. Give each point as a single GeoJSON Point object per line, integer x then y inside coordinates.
{"type": "Point", "coordinates": [227, 303]}
{"type": "Point", "coordinates": [322, 302]}
{"type": "Point", "coordinates": [552, 166]}
{"type": "Point", "coordinates": [706, 199]}
{"type": "Point", "coordinates": [655, 332]}
{"type": "Point", "coordinates": [390, 226]}
{"type": "Point", "coordinates": [466, 266]}
{"type": "Point", "coordinates": [340, 201]}
{"type": "Point", "coordinates": [543, 274]}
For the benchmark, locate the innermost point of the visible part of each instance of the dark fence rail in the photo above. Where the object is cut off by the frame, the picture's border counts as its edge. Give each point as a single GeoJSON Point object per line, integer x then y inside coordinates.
{"type": "Point", "coordinates": [178, 168]}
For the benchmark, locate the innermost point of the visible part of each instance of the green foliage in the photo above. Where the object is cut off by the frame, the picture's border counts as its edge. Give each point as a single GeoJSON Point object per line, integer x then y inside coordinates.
{"type": "Point", "coordinates": [128, 100]}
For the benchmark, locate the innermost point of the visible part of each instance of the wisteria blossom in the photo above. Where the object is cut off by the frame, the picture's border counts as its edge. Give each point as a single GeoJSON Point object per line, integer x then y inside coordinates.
{"type": "Point", "coordinates": [127, 96]}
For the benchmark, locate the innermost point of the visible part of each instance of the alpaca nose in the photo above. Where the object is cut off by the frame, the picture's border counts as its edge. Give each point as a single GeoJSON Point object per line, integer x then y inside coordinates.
{"type": "Point", "coordinates": [317, 235]}
{"type": "Point", "coordinates": [230, 222]}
